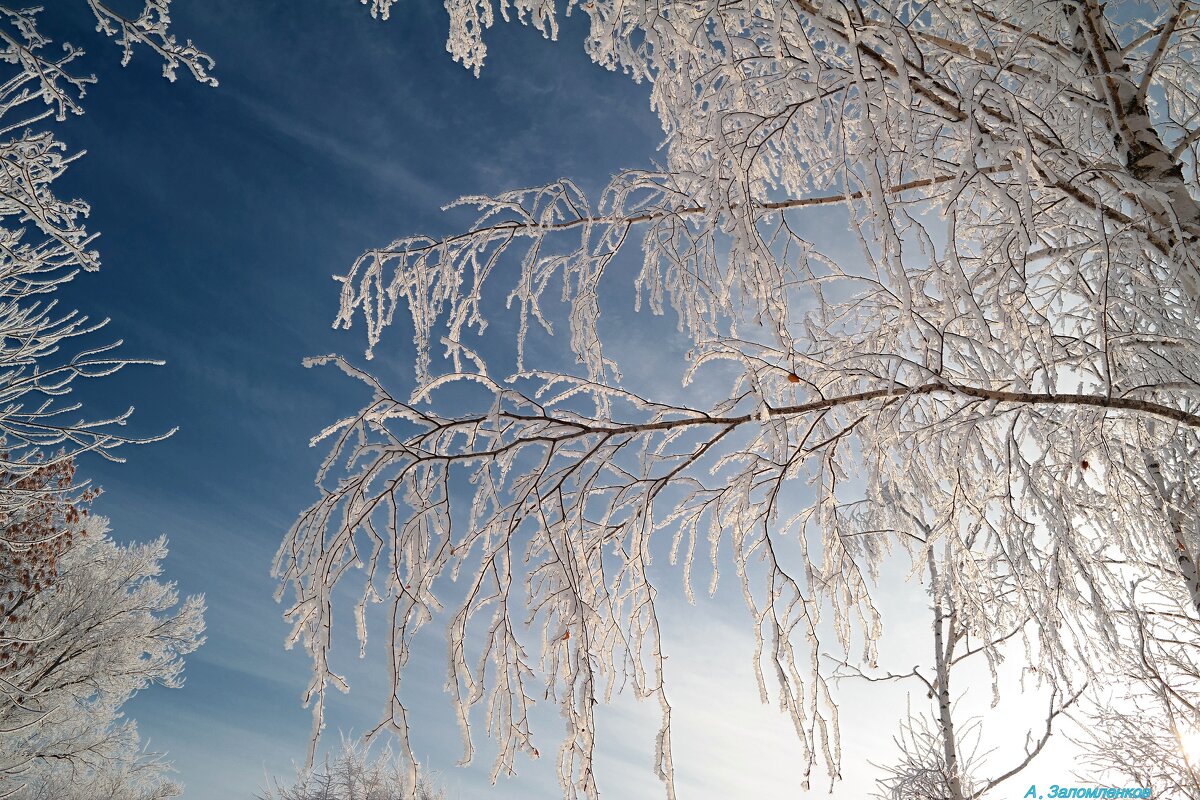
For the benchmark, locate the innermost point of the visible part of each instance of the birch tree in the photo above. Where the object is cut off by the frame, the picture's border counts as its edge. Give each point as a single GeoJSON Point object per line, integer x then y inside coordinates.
{"type": "Point", "coordinates": [74, 653]}
{"type": "Point", "coordinates": [941, 754]}
{"type": "Point", "coordinates": [83, 622]}
{"type": "Point", "coordinates": [45, 244]}
{"type": "Point", "coordinates": [1013, 342]}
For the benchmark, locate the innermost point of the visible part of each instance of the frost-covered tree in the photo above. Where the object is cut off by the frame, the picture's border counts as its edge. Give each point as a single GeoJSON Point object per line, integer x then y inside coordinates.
{"type": "Point", "coordinates": [131, 775]}
{"type": "Point", "coordinates": [941, 754]}
{"type": "Point", "coordinates": [102, 629]}
{"type": "Point", "coordinates": [1142, 724]}
{"type": "Point", "coordinates": [43, 241]}
{"type": "Point", "coordinates": [1012, 340]}
{"type": "Point", "coordinates": [34, 536]}
{"type": "Point", "coordinates": [1136, 738]}
{"type": "Point", "coordinates": [83, 623]}
{"type": "Point", "coordinates": [354, 773]}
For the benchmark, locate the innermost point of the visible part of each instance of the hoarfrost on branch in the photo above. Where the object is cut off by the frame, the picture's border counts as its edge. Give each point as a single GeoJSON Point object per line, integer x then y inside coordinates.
{"type": "Point", "coordinates": [1013, 342]}
{"type": "Point", "coordinates": [43, 241]}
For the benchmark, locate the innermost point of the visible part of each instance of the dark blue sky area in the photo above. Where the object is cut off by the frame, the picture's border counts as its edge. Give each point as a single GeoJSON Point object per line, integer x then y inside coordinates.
{"type": "Point", "coordinates": [223, 214]}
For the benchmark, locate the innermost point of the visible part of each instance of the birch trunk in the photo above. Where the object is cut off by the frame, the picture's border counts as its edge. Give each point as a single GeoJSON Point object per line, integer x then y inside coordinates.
{"type": "Point", "coordinates": [1146, 157]}
{"type": "Point", "coordinates": [943, 645]}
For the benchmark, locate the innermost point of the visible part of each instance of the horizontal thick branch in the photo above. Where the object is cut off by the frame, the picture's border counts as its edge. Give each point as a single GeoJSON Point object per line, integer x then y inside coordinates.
{"type": "Point", "coordinates": [995, 395]}
{"type": "Point", "coordinates": [583, 427]}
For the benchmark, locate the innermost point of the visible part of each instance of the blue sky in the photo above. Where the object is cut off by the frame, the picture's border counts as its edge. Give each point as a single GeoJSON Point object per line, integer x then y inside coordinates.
{"type": "Point", "coordinates": [224, 213]}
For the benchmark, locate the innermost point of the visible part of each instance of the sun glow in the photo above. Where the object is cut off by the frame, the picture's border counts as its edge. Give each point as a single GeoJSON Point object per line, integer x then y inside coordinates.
{"type": "Point", "coordinates": [1189, 743]}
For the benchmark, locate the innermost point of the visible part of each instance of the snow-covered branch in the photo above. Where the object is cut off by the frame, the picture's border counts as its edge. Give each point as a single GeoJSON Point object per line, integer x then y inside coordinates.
{"type": "Point", "coordinates": [1012, 342]}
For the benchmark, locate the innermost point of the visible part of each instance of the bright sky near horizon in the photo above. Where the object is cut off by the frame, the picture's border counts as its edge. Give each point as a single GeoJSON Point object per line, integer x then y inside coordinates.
{"type": "Point", "coordinates": [224, 213]}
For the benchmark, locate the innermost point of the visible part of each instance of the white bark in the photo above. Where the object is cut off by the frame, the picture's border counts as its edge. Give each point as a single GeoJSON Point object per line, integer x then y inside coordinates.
{"type": "Point", "coordinates": [943, 652]}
